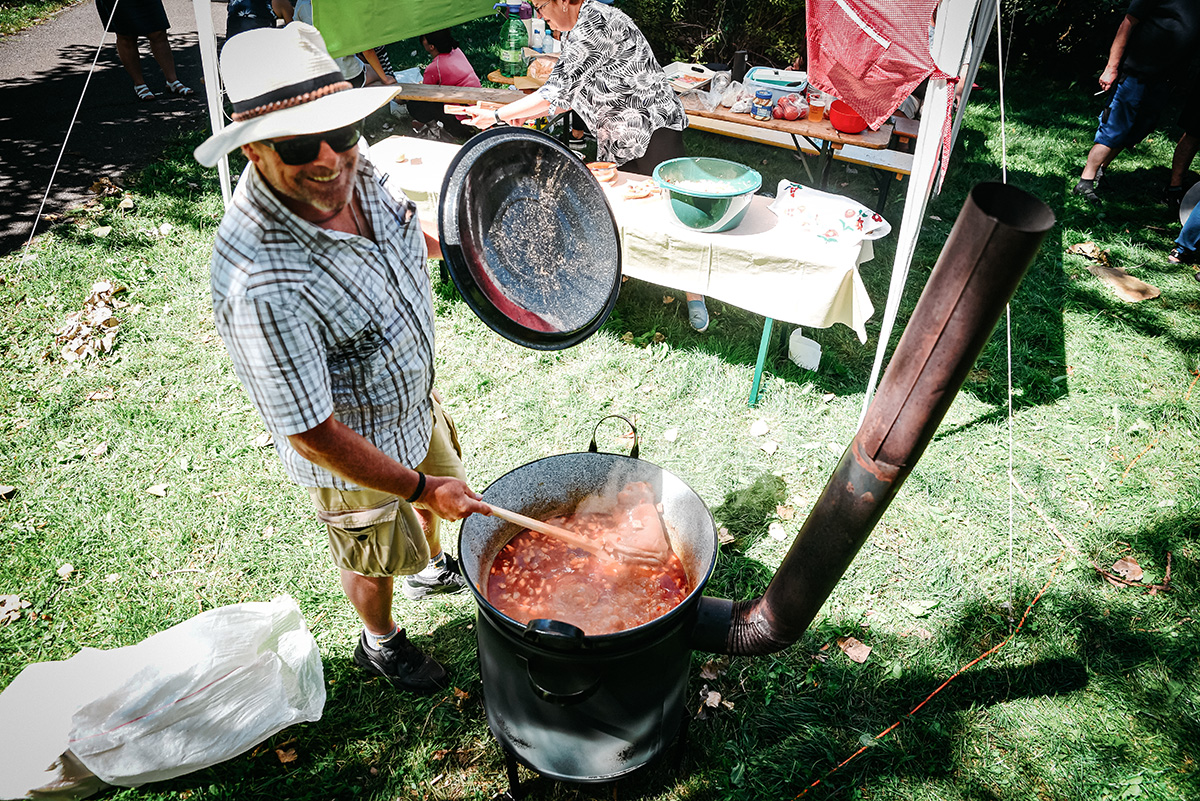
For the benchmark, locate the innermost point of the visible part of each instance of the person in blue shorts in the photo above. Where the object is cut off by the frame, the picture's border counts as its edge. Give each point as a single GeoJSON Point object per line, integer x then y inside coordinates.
{"type": "Point", "coordinates": [1187, 250]}
{"type": "Point", "coordinates": [1153, 39]}
{"type": "Point", "coordinates": [1185, 149]}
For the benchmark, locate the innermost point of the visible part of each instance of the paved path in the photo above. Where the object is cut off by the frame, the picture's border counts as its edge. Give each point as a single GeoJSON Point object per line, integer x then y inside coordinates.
{"type": "Point", "coordinates": [42, 75]}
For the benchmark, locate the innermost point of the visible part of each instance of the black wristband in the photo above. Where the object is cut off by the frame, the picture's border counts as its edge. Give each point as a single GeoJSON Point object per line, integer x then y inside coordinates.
{"type": "Point", "coordinates": [416, 496]}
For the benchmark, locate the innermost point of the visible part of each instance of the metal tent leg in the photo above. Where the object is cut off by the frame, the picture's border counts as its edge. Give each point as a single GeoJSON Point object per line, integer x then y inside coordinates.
{"type": "Point", "coordinates": [762, 358]}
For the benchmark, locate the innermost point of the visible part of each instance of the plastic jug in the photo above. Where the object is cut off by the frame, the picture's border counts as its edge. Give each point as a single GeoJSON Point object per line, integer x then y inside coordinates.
{"type": "Point", "coordinates": [513, 39]}
{"type": "Point", "coordinates": [538, 40]}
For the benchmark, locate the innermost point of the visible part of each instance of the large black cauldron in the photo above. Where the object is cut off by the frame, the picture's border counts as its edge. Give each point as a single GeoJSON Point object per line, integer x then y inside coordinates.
{"type": "Point", "coordinates": [571, 706]}
{"type": "Point", "coordinates": [593, 708]}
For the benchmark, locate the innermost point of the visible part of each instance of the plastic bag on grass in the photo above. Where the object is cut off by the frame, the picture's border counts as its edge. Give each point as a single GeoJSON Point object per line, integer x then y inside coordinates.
{"type": "Point", "coordinates": [184, 699]}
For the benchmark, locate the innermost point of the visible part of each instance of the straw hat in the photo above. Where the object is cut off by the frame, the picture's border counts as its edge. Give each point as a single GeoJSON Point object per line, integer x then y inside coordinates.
{"type": "Point", "coordinates": [282, 82]}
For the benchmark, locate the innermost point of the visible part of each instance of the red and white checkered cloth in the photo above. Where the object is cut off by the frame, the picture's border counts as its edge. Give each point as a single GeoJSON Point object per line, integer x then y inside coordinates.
{"type": "Point", "coordinates": [870, 53]}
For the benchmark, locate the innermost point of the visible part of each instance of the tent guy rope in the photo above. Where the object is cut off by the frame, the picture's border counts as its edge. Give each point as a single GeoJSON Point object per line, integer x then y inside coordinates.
{"type": "Point", "coordinates": [71, 126]}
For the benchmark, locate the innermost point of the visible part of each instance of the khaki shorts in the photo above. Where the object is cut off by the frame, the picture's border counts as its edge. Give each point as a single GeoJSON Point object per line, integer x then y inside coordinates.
{"type": "Point", "coordinates": [377, 534]}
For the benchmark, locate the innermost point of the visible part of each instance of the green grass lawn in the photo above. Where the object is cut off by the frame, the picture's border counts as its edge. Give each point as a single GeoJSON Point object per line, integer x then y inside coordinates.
{"type": "Point", "coordinates": [17, 15]}
{"type": "Point", "coordinates": [1096, 697]}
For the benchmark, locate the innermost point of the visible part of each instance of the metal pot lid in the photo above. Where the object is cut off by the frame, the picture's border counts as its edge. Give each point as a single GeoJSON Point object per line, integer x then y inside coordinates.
{"type": "Point", "coordinates": [529, 238]}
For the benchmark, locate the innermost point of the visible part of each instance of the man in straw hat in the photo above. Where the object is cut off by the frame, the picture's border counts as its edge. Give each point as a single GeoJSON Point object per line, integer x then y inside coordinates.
{"type": "Point", "coordinates": [321, 294]}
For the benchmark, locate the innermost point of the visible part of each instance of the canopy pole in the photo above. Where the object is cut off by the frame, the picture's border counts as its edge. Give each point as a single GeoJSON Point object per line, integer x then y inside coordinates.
{"type": "Point", "coordinates": [960, 24]}
{"type": "Point", "coordinates": [207, 40]}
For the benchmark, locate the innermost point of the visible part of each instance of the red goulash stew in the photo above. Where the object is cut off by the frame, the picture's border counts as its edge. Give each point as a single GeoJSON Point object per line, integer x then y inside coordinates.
{"type": "Point", "coordinates": [536, 576]}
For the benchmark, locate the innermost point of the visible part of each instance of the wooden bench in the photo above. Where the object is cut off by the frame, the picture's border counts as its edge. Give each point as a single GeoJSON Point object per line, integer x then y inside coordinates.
{"type": "Point", "coordinates": [888, 164]}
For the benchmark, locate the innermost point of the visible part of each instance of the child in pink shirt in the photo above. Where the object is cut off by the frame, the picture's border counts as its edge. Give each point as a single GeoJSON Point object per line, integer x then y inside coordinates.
{"type": "Point", "coordinates": [449, 68]}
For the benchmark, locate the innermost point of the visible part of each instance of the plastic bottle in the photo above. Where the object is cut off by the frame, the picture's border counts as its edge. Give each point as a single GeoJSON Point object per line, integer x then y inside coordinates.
{"type": "Point", "coordinates": [513, 40]}
{"type": "Point", "coordinates": [538, 40]}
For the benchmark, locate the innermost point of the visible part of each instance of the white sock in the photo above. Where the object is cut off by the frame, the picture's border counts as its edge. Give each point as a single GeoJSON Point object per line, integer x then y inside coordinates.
{"type": "Point", "coordinates": [375, 640]}
{"type": "Point", "coordinates": [436, 565]}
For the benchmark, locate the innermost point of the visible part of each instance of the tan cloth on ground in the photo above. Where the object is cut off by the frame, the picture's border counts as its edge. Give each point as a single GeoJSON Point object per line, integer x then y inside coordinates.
{"type": "Point", "coordinates": [1127, 287]}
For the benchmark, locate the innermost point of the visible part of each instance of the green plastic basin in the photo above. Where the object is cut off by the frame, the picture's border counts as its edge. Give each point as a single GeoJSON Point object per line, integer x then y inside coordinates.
{"type": "Point", "coordinates": [707, 194]}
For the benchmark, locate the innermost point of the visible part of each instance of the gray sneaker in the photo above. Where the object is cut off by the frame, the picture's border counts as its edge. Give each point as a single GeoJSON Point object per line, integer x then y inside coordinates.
{"type": "Point", "coordinates": [402, 663]}
{"type": "Point", "coordinates": [448, 580]}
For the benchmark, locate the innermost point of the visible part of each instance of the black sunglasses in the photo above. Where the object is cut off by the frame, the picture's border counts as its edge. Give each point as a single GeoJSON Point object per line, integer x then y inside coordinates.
{"type": "Point", "coordinates": [303, 149]}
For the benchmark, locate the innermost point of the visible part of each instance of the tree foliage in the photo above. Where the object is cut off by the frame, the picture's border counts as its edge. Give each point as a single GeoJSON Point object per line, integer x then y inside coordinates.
{"type": "Point", "coordinates": [1070, 35]}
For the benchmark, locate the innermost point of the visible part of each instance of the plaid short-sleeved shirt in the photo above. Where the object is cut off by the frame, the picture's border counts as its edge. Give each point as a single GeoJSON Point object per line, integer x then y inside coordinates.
{"type": "Point", "coordinates": [322, 323]}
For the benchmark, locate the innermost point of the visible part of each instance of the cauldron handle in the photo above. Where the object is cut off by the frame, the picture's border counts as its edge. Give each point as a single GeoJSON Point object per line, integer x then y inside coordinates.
{"type": "Point", "coordinates": [633, 452]}
{"type": "Point", "coordinates": [577, 684]}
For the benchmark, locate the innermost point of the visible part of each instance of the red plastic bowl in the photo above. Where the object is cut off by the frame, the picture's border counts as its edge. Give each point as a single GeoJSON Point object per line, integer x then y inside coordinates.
{"type": "Point", "coordinates": [845, 119]}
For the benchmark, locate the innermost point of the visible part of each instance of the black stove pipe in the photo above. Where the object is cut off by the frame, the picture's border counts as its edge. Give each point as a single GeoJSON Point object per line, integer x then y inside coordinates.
{"type": "Point", "coordinates": [992, 244]}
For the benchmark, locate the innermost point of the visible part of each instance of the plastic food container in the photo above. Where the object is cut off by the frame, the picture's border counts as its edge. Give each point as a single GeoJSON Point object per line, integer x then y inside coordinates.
{"type": "Point", "coordinates": [707, 194]}
{"type": "Point", "coordinates": [777, 82]}
{"type": "Point", "coordinates": [686, 77]}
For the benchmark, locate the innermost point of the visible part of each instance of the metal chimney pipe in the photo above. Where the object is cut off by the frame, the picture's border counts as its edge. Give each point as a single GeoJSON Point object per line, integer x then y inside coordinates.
{"type": "Point", "coordinates": [992, 244]}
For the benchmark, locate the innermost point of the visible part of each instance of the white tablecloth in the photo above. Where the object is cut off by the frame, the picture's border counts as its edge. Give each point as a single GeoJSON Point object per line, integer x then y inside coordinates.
{"type": "Point", "coordinates": [765, 265]}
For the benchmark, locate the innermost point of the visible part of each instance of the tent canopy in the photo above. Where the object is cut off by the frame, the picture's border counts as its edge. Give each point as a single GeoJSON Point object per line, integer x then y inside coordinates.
{"type": "Point", "coordinates": [352, 26]}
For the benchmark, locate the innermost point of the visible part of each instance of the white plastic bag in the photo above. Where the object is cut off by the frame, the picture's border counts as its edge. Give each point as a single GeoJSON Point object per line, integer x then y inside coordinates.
{"type": "Point", "coordinates": [186, 698]}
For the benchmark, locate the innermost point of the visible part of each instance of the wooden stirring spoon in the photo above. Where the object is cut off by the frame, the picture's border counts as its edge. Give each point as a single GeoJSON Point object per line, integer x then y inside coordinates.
{"type": "Point", "coordinates": [571, 538]}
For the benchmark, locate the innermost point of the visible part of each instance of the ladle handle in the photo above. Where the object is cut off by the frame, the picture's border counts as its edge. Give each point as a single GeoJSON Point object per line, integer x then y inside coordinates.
{"type": "Point", "coordinates": [569, 537]}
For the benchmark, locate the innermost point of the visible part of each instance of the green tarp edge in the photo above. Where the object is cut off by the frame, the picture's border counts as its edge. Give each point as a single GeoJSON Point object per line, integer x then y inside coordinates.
{"type": "Point", "coordinates": [351, 26]}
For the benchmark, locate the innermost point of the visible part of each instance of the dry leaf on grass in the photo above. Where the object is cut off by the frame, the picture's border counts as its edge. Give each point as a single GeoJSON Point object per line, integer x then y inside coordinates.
{"type": "Point", "coordinates": [93, 329]}
{"type": "Point", "coordinates": [668, 299]}
{"type": "Point", "coordinates": [769, 447]}
{"type": "Point", "coordinates": [7, 491]}
{"type": "Point", "coordinates": [65, 570]}
{"type": "Point", "coordinates": [158, 489]}
{"type": "Point", "coordinates": [264, 440]}
{"type": "Point", "coordinates": [713, 668]}
{"type": "Point", "coordinates": [1128, 568]}
{"type": "Point", "coordinates": [105, 187]}
{"type": "Point", "coordinates": [711, 699]}
{"type": "Point", "coordinates": [776, 531]}
{"type": "Point", "coordinates": [759, 428]}
{"type": "Point", "coordinates": [724, 537]}
{"type": "Point", "coordinates": [10, 608]}
{"type": "Point", "coordinates": [108, 393]}
{"type": "Point", "coordinates": [857, 651]}
{"type": "Point", "coordinates": [785, 512]}
{"type": "Point", "coordinates": [919, 608]}
{"type": "Point", "coordinates": [286, 756]}
{"type": "Point", "coordinates": [671, 434]}
{"type": "Point", "coordinates": [1091, 251]}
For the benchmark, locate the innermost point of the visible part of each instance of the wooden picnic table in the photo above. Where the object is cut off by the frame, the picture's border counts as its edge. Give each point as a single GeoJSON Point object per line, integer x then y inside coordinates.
{"type": "Point", "coordinates": [821, 136]}
{"type": "Point", "coordinates": [464, 95]}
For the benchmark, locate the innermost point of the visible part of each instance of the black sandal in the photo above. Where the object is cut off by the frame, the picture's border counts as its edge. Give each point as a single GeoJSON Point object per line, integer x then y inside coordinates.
{"type": "Point", "coordinates": [1182, 255]}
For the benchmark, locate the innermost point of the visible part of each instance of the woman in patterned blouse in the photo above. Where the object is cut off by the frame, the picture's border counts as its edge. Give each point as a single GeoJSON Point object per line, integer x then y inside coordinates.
{"type": "Point", "coordinates": [608, 75]}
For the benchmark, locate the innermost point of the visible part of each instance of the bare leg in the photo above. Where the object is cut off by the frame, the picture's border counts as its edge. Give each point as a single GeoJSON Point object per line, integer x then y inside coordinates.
{"type": "Point", "coordinates": [161, 49]}
{"type": "Point", "coordinates": [381, 76]}
{"type": "Point", "coordinates": [1099, 156]}
{"type": "Point", "coordinates": [1181, 161]}
{"type": "Point", "coordinates": [432, 535]}
{"type": "Point", "coordinates": [127, 51]}
{"type": "Point", "coordinates": [371, 597]}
